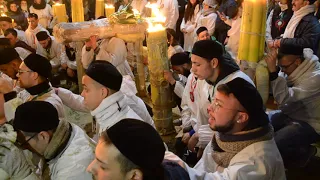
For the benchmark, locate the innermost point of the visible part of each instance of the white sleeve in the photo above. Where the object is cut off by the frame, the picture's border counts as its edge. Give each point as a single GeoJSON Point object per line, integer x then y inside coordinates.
{"type": "Point", "coordinates": [173, 14]}
{"type": "Point", "coordinates": [73, 101]}
{"type": "Point", "coordinates": [87, 57]}
{"type": "Point", "coordinates": [268, 26]}
{"type": "Point", "coordinates": [180, 85]}
{"type": "Point", "coordinates": [211, 23]}
{"type": "Point", "coordinates": [205, 135]}
{"type": "Point", "coordinates": [62, 54]}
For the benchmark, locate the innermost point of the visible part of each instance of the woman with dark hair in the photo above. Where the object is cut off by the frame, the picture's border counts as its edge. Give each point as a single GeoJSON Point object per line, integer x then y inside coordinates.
{"type": "Point", "coordinates": [44, 12]}
{"type": "Point", "coordinates": [189, 23]}
{"type": "Point", "coordinates": [278, 20]}
{"type": "Point", "coordinates": [15, 13]}
{"type": "Point", "coordinates": [173, 40]}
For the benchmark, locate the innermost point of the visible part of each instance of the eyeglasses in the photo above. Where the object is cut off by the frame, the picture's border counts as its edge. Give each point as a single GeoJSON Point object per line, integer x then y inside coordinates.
{"type": "Point", "coordinates": [23, 71]}
{"type": "Point", "coordinates": [215, 106]}
{"type": "Point", "coordinates": [25, 142]}
{"type": "Point", "coordinates": [287, 66]}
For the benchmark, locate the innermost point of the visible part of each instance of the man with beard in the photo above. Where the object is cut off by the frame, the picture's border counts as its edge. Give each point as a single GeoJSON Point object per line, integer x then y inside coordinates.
{"type": "Point", "coordinates": [181, 64]}
{"type": "Point", "coordinates": [33, 75]}
{"type": "Point", "coordinates": [212, 67]}
{"type": "Point", "coordinates": [242, 146]}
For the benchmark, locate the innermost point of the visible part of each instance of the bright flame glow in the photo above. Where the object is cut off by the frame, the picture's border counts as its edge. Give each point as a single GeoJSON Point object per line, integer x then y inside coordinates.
{"type": "Point", "coordinates": [108, 6]}
{"type": "Point", "coordinates": [3, 15]}
{"type": "Point", "coordinates": [156, 18]}
{"type": "Point", "coordinates": [155, 28]}
{"type": "Point", "coordinates": [57, 4]}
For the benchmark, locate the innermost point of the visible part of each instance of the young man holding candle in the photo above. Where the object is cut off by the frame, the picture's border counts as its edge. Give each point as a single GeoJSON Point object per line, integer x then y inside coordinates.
{"type": "Point", "coordinates": [33, 29]}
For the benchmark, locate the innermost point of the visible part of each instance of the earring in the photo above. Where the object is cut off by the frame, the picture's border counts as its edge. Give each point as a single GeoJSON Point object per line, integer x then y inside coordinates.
{"type": "Point", "coordinates": [238, 121]}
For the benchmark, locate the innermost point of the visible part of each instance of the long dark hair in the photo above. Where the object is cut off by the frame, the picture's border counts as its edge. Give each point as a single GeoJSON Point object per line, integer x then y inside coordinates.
{"type": "Point", "coordinates": [190, 11]}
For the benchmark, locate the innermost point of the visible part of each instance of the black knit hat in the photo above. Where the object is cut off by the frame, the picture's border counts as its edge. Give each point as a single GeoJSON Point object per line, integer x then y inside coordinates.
{"type": "Point", "coordinates": [201, 29]}
{"type": "Point", "coordinates": [105, 73]}
{"type": "Point", "coordinates": [180, 59]}
{"type": "Point", "coordinates": [36, 116]}
{"type": "Point", "coordinates": [42, 35]}
{"type": "Point", "coordinates": [250, 99]}
{"type": "Point", "coordinates": [5, 18]}
{"type": "Point", "coordinates": [207, 49]}
{"type": "Point", "coordinates": [139, 142]}
{"type": "Point", "coordinates": [291, 49]}
{"type": "Point", "coordinates": [7, 55]}
{"type": "Point", "coordinates": [39, 64]}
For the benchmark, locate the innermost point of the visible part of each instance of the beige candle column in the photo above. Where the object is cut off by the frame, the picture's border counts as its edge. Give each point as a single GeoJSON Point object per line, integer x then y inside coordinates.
{"type": "Point", "coordinates": [59, 11]}
{"type": "Point", "coordinates": [161, 94]}
{"type": "Point", "coordinates": [99, 8]}
{"type": "Point", "coordinates": [139, 72]}
{"type": "Point", "coordinates": [109, 9]}
{"type": "Point", "coordinates": [78, 16]}
{"type": "Point", "coordinates": [77, 11]}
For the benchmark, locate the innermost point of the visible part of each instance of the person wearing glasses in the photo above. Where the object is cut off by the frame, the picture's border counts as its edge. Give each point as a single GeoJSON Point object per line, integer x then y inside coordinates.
{"type": "Point", "coordinates": [242, 146]}
{"type": "Point", "coordinates": [13, 163]}
{"type": "Point", "coordinates": [212, 67]}
{"type": "Point", "coordinates": [33, 76]}
{"type": "Point", "coordinates": [297, 92]}
{"type": "Point", "coordinates": [65, 147]}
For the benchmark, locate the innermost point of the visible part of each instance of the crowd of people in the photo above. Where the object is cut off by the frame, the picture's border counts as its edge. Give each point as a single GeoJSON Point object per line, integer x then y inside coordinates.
{"type": "Point", "coordinates": [225, 130]}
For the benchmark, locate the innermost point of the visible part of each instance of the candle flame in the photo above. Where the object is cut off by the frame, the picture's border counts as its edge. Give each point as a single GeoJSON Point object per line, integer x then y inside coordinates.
{"type": "Point", "coordinates": [3, 15]}
{"type": "Point", "coordinates": [108, 6]}
{"type": "Point", "coordinates": [155, 28]}
{"type": "Point", "coordinates": [135, 11]}
{"type": "Point", "coordinates": [159, 17]}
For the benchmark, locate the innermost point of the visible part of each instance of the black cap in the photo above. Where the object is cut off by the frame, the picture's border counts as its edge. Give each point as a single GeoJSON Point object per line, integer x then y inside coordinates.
{"type": "Point", "coordinates": [207, 49]}
{"type": "Point", "coordinates": [105, 74]}
{"type": "Point", "coordinates": [39, 64]}
{"type": "Point", "coordinates": [250, 99]}
{"type": "Point", "coordinates": [36, 116]}
{"type": "Point", "coordinates": [180, 59]}
{"type": "Point", "coordinates": [139, 142]}
{"type": "Point", "coordinates": [201, 29]}
{"type": "Point", "coordinates": [291, 49]}
{"type": "Point", "coordinates": [42, 35]}
{"type": "Point", "coordinates": [5, 18]}
{"type": "Point", "coordinates": [7, 55]}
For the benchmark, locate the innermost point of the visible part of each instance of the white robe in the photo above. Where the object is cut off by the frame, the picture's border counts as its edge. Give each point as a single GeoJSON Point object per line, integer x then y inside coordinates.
{"type": "Point", "coordinates": [31, 38]}
{"type": "Point", "coordinates": [113, 51]}
{"type": "Point", "coordinates": [56, 55]}
{"type": "Point", "coordinates": [258, 161]}
{"type": "Point", "coordinates": [174, 50]}
{"type": "Point", "coordinates": [208, 21]}
{"type": "Point", "coordinates": [76, 102]}
{"type": "Point", "coordinates": [44, 15]}
{"type": "Point", "coordinates": [189, 27]}
{"type": "Point", "coordinates": [73, 161]}
{"type": "Point", "coordinates": [170, 10]}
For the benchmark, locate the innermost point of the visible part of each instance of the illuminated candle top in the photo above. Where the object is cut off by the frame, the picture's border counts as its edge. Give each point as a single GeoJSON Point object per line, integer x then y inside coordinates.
{"type": "Point", "coordinates": [109, 6]}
